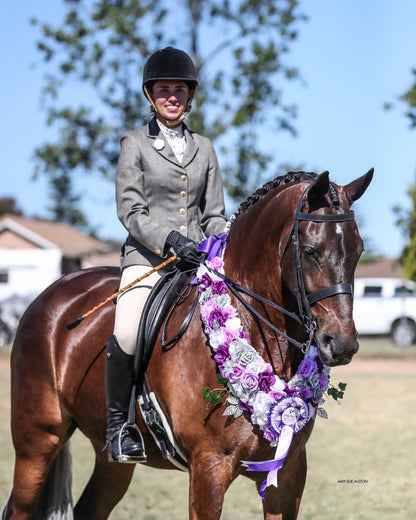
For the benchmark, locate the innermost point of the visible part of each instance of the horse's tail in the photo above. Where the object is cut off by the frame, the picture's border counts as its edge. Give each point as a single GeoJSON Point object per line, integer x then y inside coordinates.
{"type": "Point", "coordinates": [55, 502]}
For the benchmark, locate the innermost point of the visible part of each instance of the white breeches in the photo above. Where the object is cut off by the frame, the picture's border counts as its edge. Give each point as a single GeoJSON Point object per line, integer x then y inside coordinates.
{"type": "Point", "coordinates": [130, 305]}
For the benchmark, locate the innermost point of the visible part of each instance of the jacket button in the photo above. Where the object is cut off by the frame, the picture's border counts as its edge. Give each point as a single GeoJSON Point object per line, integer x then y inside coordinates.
{"type": "Point", "coordinates": [183, 177]}
{"type": "Point", "coordinates": [158, 252]}
{"type": "Point", "coordinates": [183, 193]}
{"type": "Point", "coordinates": [182, 211]}
{"type": "Point", "coordinates": [182, 229]}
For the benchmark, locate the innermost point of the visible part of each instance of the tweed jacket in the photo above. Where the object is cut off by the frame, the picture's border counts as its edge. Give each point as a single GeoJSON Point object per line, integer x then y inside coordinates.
{"type": "Point", "coordinates": [156, 194]}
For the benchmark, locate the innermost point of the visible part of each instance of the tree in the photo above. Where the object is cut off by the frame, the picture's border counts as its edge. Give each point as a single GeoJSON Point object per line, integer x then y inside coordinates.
{"type": "Point", "coordinates": [409, 98]}
{"type": "Point", "coordinates": [406, 220]}
{"type": "Point", "coordinates": [239, 49]}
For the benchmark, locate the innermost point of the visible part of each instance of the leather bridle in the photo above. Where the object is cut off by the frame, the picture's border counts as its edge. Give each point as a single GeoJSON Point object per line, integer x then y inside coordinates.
{"type": "Point", "coordinates": [304, 299]}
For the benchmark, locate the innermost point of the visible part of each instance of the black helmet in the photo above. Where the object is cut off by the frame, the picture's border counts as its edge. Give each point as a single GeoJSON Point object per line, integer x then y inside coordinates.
{"type": "Point", "coordinates": [172, 64]}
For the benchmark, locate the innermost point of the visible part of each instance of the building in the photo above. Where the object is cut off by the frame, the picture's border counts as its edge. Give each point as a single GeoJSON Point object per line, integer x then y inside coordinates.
{"type": "Point", "coordinates": [34, 253]}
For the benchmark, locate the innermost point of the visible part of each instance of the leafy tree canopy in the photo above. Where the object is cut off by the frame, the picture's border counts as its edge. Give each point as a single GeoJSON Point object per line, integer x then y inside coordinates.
{"type": "Point", "coordinates": [238, 46]}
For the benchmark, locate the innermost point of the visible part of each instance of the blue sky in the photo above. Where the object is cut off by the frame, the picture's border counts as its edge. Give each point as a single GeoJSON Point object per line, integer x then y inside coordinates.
{"type": "Point", "coordinates": [353, 56]}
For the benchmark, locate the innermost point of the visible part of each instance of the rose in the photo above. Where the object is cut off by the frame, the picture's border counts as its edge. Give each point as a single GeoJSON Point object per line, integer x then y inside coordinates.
{"type": "Point", "coordinates": [250, 380]}
{"type": "Point", "coordinates": [257, 365]}
{"type": "Point", "coordinates": [242, 352]}
{"type": "Point", "coordinates": [236, 373]}
{"type": "Point", "coordinates": [307, 367]}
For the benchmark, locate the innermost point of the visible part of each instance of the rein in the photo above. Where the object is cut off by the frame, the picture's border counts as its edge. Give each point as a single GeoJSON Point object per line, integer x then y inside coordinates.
{"type": "Point", "coordinates": [304, 300]}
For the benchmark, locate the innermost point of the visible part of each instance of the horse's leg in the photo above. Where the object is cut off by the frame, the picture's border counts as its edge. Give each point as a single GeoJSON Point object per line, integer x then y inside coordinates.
{"type": "Point", "coordinates": [35, 452]}
{"type": "Point", "coordinates": [209, 478]}
{"type": "Point", "coordinates": [106, 487]}
{"type": "Point", "coordinates": [283, 503]}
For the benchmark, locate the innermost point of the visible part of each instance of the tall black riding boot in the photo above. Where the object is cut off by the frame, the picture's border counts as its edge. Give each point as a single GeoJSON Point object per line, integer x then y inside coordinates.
{"type": "Point", "coordinates": [124, 440]}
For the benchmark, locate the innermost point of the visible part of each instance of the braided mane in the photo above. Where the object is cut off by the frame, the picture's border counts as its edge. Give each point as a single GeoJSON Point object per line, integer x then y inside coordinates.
{"type": "Point", "coordinates": [291, 176]}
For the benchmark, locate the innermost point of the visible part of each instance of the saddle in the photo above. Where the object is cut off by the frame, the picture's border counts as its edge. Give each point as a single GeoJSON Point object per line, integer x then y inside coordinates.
{"type": "Point", "coordinates": [170, 291]}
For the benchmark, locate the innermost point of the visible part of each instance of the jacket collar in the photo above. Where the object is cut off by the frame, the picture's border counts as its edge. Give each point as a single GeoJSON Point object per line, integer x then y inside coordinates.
{"type": "Point", "coordinates": [191, 146]}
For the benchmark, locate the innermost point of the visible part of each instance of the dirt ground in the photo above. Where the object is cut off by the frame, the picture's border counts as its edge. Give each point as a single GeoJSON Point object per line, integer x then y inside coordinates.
{"type": "Point", "coordinates": [379, 366]}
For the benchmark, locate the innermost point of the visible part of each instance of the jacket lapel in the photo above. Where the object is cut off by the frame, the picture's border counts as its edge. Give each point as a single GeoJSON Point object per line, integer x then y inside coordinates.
{"type": "Point", "coordinates": [191, 147]}
{"type": "Point", "coordinates": [166, 151]}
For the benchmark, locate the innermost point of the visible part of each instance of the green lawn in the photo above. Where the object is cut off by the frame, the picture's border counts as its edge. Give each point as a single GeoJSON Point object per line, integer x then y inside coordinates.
{"type": "Point", "coordinates": [361, 460]}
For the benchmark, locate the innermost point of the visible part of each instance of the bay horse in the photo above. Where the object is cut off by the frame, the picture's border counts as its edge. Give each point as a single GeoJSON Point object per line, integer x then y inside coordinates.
{"type": "Point", "coordinates": [57, 375]}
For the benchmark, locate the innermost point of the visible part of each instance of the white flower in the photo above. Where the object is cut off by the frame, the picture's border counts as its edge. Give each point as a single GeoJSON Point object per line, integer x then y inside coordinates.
{"type": "Point", "coordinates": [261, 405]}
{"type": "Point", "coordinates": [242, 352]}
{"type": "Point", "coordinates": [257, 365]}
{"type": "Point", "coordinates": [278, 385]}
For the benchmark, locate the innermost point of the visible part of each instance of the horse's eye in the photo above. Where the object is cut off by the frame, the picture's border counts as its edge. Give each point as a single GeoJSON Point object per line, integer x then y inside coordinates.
{"type": "Point", "coordinates": [311, 252]}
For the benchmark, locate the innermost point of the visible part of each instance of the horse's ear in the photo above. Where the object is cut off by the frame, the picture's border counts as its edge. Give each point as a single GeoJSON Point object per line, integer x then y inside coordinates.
{"type": "Point", "coordinates": [355, 189]}
{"type": "Point", "coordinates": [317, 191]}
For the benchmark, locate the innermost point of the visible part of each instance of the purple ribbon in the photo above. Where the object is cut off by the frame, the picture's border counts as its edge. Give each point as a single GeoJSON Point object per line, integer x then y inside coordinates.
{"type": "Point", "coordinates": [272, 466]}
{"type": "Point", "coordinates": [213, 246]}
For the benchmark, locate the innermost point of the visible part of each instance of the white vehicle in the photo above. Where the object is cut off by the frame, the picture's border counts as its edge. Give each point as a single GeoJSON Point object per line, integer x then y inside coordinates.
{"type": "Point", "coordinates": [386, 306]}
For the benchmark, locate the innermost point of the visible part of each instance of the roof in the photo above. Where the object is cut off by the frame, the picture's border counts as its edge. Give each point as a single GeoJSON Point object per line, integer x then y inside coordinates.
{"type": "Point", "coordinates": [18, 231]}
{"type": "Point", "coordinates": [384, 267]}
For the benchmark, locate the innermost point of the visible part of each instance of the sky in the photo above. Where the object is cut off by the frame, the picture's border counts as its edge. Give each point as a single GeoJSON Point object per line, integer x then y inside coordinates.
{"type": "Point", "coordinates": [353, 55]}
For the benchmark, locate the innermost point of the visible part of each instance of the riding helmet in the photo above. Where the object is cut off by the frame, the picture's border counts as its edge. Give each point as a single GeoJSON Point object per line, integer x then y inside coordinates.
{"type": "Point", "coordinates": [170, 64]}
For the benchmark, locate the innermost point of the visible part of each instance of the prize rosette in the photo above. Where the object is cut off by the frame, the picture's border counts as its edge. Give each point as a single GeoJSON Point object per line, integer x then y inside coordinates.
{"type": "Point", "coordinates": [289, 411]}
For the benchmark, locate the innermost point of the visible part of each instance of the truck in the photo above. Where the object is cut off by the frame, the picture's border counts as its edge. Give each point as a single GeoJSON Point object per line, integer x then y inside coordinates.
{"type": "Point", "coordinates": [386, 306]}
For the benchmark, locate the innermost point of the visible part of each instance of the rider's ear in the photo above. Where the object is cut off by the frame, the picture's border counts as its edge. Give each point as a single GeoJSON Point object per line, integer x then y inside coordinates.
{"type": "Point", "coordinates": [355, 189]}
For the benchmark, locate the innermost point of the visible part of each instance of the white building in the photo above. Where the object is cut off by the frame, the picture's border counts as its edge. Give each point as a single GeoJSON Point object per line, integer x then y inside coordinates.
{"type": "Point", "coordinates": [34, 253]}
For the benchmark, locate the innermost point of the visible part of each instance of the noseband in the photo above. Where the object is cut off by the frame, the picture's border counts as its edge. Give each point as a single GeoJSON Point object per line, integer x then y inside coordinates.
{"type": "Point", "coordinates": [304, 299]}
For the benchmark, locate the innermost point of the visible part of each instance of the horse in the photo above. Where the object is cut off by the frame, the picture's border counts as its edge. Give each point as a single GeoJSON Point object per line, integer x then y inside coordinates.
{"type": "Point", "coordinates": [57, 375]}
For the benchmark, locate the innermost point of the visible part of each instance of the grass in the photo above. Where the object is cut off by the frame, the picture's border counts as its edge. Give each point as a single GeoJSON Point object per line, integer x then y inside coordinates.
{"type": "Point", "coordinates": [360, 461]}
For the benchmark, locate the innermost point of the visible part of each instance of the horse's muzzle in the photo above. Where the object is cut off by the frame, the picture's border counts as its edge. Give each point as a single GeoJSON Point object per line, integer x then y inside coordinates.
{"type": "Point", "coordinates": [334, 349]}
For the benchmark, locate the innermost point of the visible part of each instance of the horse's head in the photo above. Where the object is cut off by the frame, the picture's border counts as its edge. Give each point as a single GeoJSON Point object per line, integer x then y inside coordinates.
{"type": "Point", "coordinates": [325, 246]}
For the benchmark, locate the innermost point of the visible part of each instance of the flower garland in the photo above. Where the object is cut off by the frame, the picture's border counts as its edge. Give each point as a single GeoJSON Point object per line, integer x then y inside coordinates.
{"type": "Point", "coordinates": [278, 408]}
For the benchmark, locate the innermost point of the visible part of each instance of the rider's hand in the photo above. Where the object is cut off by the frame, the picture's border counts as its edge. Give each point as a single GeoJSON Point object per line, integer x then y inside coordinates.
{"type": "Point", "coordinates": [185, 248]}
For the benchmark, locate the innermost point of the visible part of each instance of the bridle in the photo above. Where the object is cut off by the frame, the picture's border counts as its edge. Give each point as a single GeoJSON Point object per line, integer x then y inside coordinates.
{"type": "Point", "coordinates": [304, 300]}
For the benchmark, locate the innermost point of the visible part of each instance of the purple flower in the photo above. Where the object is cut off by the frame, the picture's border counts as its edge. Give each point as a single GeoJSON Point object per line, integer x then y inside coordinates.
{"type": "Point", "coordinates": [219, 316]}
{"type": "Point", "coordinates": [250, 381]}
{"type": "Point", "coordinates": [221, 354]}
{"type": "Point", "coordinates": [219, 287]}
{"type": "Point", "coordinates": [204, 282]}
{"type": "Point", "coordinates": [235, 374]}
{"type": "Point", "coordinates": [323, 381]}
{"type": "Point", "coordinates": [216, 263]}
{"type": "Point", "coordinates": [207, 309]}
{"type": "Point", "coordinates": [266, 379]}
{"type": "Point", "coordinates": [307, 367]}
{"type": "Point", "coordinates": [305, 392]}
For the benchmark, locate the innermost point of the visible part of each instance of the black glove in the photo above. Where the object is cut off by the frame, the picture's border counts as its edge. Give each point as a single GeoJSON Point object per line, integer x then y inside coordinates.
{"type": "Point", "coordinates": [185, 248]}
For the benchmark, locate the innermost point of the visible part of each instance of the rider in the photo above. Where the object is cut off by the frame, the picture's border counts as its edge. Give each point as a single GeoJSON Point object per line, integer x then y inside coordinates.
{"type": "Point", "coordinates": [169, 195]}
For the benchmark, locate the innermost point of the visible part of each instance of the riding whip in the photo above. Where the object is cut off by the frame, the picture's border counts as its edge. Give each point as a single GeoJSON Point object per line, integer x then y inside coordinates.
{"type": "Point", "coordinates": [76, 322]}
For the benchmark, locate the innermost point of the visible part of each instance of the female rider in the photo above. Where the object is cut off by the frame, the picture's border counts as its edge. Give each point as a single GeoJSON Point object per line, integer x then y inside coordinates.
{"type": "Point", "coordinates": [169, 195]}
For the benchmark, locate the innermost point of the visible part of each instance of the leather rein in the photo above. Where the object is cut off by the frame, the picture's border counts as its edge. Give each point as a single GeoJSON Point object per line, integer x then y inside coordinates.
{"type": "Point", "coordinates": [304, 300]}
